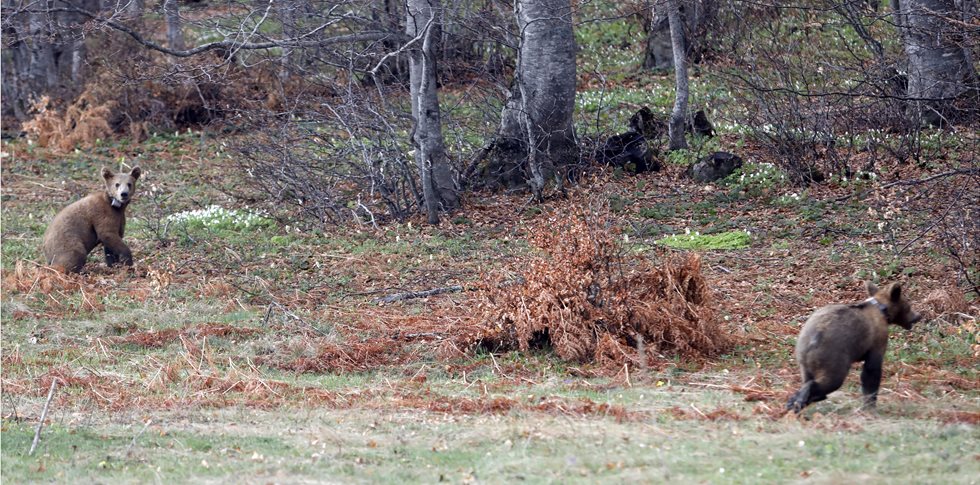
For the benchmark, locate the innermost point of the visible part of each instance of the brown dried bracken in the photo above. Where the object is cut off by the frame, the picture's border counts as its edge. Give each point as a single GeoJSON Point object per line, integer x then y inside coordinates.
{"type": "Point", "coordinates": [593, 303]}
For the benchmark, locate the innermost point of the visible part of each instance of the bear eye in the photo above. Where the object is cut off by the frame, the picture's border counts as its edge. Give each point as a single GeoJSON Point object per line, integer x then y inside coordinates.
{"type": "Point", "coordinates": [117, 185]}
{"type": "Point", "coordinates": [129, 186]}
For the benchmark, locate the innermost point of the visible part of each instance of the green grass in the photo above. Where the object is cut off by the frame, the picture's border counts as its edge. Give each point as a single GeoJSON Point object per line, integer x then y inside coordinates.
{"type": "Point", "coordinates": [361, 445]}
{"type": "Point", "coordinates": [701, 242]}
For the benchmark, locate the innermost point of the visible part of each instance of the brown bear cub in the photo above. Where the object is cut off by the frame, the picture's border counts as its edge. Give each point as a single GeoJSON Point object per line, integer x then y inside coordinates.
{"type": "Point", "coordinates": [98, 218]}
{"type": "Point", "coordinates": [836, 336]}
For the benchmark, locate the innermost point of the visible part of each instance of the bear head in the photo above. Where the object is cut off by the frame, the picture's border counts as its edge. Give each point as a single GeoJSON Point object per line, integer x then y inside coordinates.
{"type": "Point", "coordinates": [120, 187]}
{"type": "Point", "coordinates": [894, 304]}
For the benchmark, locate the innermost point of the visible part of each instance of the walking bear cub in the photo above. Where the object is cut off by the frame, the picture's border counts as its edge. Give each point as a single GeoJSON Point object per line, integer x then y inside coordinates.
{"type": "Point", "coordinates": [98, 218]}
{"type": "Point", "coordinates": [836, 336]}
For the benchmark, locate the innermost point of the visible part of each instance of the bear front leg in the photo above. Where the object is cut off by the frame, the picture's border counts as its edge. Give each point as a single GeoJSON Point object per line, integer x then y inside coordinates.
{"type": "Point", "coordinates": [110, 257]}
{"type": "Point", "coordinates": [871, 379]}
{"type": "Point", "coordinates": [116, 251]}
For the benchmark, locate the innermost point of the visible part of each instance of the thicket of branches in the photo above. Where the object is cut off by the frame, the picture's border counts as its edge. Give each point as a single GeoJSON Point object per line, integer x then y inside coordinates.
{"type": "Point", "coordinates": [324, 90]}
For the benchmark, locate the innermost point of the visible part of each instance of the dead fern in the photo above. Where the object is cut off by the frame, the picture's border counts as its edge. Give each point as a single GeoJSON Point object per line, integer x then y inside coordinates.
{"type": "Point", "coordinates": [590, 301]}
{"type": "Point", "coordinates": [82, 123]}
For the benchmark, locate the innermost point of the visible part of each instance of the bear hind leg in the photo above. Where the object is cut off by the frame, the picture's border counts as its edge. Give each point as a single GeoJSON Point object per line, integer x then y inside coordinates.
{"type": "Point", "coordinates": [811, 392]}
{"type": "Point", "coordinates": [69, 261]}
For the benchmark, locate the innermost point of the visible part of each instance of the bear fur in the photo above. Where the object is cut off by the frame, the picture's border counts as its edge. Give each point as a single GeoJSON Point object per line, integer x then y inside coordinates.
{"type": "Point", "coordinates": [836, 336]}
{"type": "Point", "coordinates": [99, 218]}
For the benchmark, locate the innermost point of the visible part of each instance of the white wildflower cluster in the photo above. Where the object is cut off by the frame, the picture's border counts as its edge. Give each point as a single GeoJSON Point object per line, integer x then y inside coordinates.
{"type": "Point", "coordinates": [789, 199]}
{"type": "Point", "coordinates": [866, 175]}
{"type": "Point", "coordinates": [592, 100]}
{"type": "Point", "coordinates": [217, 217]}
{"type": "Point", "coordinates": [762, 173]}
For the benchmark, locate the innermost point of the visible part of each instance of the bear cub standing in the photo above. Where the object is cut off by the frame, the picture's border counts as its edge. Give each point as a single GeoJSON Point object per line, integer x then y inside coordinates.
{"type": "Point", "coordinates": [836, 336]}
{"type": "Point", "coordinates": [98, 218]}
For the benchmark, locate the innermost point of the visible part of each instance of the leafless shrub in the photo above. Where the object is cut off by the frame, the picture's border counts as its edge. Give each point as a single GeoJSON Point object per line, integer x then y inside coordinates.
{"type": "Point", "coordinates": [830, 96]}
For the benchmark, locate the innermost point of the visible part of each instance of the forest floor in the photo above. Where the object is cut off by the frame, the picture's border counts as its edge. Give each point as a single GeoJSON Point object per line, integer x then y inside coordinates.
{"type": "Point", "coordinates": [258, 353]}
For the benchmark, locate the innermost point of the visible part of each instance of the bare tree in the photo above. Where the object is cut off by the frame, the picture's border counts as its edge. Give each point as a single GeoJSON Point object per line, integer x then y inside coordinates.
{"type": "Point", "coordinates": [546, 81]}
{"type": "Point", "coordinates": [175, 35]}
{"type": "Point", "coordinates": [679, 114]}
{"type": "Point", "coordinates": [438, 184]}
{"type": "Point", "coordinates": [698, 16]}
{"type": "Point", "coordinates": [940, 68]}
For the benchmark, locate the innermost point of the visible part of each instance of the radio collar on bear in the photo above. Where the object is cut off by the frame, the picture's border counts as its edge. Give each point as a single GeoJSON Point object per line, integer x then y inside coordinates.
{"type": "Point", "coordinates": [116, 203]}
{"type": "Point", "coordinates": [881, 306]}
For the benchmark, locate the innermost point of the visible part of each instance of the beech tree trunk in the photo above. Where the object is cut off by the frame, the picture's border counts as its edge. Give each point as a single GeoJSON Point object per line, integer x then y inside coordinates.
{"type": "Point", "coordinates": [679, 113]}
{"type": "Point", "coordinates": [546, 80]}
{"type": "Point", "coordinates": [175, 36]}
{"type": "Point", "coordinates": [439, 189]}
{"type": "Point", "coordinates": [507, 165]}
{"type": "Point", "coordinates": [940, 69]}
{"type": "Point", "coordinates": [697, 17]}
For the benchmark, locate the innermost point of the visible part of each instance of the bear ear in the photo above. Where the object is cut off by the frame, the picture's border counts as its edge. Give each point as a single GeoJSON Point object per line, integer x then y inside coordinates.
{"type": "Point", "coordinates": [107, 174]}
{"type": "Point", "coordinates": [135, 173]}
{"type": "Point", "coordinates": [872, 288]}
{"type": "Point", "coordinates": [895, 292]}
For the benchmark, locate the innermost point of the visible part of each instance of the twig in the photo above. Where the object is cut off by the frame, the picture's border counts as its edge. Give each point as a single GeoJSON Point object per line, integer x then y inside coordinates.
{"type": "Point", "coordinates": [418, 294]}
{"type": "Point", "coordinates": [407, 336]}
{"type": "Point", "coordinates": [699, 411]}
{"type": "Point", "coordinates": [129, 449]}
{"type": "Point", "coordinates": [495, 364]}
{"type": "Point", "coordinates": [44, 415]}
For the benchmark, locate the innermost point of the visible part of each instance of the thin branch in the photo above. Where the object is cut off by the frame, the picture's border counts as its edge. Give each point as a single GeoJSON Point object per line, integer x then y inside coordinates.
{"type": "Point", "coordinates": [421, 34]}
{"type": "Point", "coordinates": [129, 449]}
{"type": "Point", "coordinates": [44, 415]}
{"type": "Point", "coordinates": [236, 45]}
{"type": "Point", "coordinates": [418, 294]}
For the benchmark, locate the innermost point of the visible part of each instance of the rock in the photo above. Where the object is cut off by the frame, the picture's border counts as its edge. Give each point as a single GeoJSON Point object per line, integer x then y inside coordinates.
{"type": "Point", "coordinates": [713, 167]}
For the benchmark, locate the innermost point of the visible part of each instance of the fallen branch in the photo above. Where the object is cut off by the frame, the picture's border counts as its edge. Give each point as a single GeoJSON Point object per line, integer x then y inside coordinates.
{"type": "Point", "coordinates": [418, 294]}
{"type": "Point", "coordinates": [44, 415]}
{"type": "Point", "coordinates": [129, 449]}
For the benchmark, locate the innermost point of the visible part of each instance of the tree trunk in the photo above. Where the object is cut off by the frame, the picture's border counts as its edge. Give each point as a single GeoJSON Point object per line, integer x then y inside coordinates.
{"type": "Point", "coordinates": [287, 18]}
{"type": "Point", "coordinates": [439, 190]}
{"type": "Point", "coordinates": [546, 79]}
{"type": "Point", "coordinates": [679, 114]}
{"type": "Point", "coordinates": [697, 17]}
{"type": "Point", "coordinates": [389, 15]}
{"type": "Point", "coordinates": [940, 71]}
{"type": "Point", "coordinates": [175, 37]}
{"type": "Point", "coordinates": [508, 156]}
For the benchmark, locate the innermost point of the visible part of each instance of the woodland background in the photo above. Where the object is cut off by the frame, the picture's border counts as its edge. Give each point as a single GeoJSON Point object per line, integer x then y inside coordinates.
{"type": "Point", "coordinates": [417, 240]}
